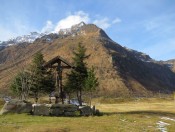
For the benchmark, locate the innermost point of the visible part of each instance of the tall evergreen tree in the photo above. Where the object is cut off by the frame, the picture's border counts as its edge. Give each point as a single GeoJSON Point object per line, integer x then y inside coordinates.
{"type": "Point", "coordinates": [34, 80]}
{"type": "Point", "coordinates": [77, 77]}
{"type": "Point", "coordinates": [91, 82]}
{"type": "Point", "coordinates": [41, 81]}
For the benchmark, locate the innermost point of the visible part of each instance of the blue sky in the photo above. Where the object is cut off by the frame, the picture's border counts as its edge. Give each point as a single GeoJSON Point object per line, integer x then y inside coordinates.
{"type": "Point", "coordinates": [144, 25]}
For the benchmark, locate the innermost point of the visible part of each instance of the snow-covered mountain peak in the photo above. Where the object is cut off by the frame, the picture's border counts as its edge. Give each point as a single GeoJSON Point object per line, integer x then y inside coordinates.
{"type": "Point", "coordinates": [29, 38]}
{"type": "Point", "coordinates": [79, 25]}
{"type": "Point", "coordinates": [73, 30]}
{"type": "Point", "coordinates": [32, 36]}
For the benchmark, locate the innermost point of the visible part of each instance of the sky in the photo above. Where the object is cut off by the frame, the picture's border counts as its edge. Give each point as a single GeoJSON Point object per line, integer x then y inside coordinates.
{"type": "Point", "coordinates": [143, 25]}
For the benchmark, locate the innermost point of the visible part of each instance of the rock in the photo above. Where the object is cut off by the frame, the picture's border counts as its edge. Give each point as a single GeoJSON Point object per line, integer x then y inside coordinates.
{"type": "Point", "coordinates": [41, 109]}
{"type": "Point", "coordinates": [85, 110]}
{"type": "Point", "coordinates": [56, 111]}
{"type": "Point", "coordinates": [71, 108]}
{"type": "Point", "coordinates": [65, 107]}
{"type": "Point", "coordinates": [97, 112]}
{"type": "Point", "coordinates": [16, 106]}
{"type": "Point", "coordinates": [70, 113]}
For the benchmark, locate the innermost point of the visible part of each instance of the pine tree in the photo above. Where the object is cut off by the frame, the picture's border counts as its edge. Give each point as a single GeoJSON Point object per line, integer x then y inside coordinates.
{"type": "Point", "coordinates": [77, 77]}
{"type": "Point", "coordinates": [70, 86]}
{"type": "Point", "coordinates": [91, 82]}
{"type": "Point", "coordinates": [41, 81]}
{"type": "Point", "coordinates": [34, 80]}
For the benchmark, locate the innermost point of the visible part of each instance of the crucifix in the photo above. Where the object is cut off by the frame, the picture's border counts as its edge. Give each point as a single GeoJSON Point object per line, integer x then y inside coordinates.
{"type": "Point", "coordinates": [58, 64]}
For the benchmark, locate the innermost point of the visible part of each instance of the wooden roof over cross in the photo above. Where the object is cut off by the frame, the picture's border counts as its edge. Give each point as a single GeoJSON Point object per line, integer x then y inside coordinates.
{"type": "Point", "coordinates": [57, 59]}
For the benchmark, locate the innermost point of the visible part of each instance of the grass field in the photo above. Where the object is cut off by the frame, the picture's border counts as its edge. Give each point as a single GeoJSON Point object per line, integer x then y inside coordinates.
{"type": "Point", "coordinates": [143, 115]}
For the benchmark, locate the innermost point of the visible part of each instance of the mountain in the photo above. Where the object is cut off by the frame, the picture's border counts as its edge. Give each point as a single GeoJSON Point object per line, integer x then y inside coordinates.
{"type": "Point", "coordinates": [74, 30]}
{"type": "Point", "coordinates": [22, 39]}
{"type": "Point", "coordinates": [30, 38]}
{"type": "Point", "coordinates": [169, 63]}
{"type": "Point", "coordinates": [121, 71]}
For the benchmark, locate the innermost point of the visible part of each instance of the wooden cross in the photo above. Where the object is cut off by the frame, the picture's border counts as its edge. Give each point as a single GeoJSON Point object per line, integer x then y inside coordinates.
{"type": "Point", "coordinates": [58, 63]}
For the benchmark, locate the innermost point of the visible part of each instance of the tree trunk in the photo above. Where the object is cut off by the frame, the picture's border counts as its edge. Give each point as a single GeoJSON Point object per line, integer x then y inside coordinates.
{"type": "Point", "coordinates": [69, 98]}
{"type": "Point", "coordinates": [56, 99]}
{"type": "Point", "coordinates": [78, 98]}
{"type": "Point", "coordinates": [36, 98]}
{"type": "Point", "coordinates": [62, 100]}
{"type": "Point", "coordinates": [50, 102]}
{"type": "Point", "coordinates": [80, 102]}
{"type": "Point", "coordinates": [90, 98]}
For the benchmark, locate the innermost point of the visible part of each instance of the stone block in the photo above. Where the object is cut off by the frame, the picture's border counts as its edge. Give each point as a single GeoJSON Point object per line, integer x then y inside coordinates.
{"type": "Point", "coordinates": [41, 109]}
{"type": "Point", "coordinates": [65, 107]}
{"type": "Point", "coordinates": [16, 106]}
{"type": "Point", "coordinates": [70, 113]}
{"type": "Point", "coordinates": [85, 110]}
{"type": "Point", "coordinates": [56, 111]}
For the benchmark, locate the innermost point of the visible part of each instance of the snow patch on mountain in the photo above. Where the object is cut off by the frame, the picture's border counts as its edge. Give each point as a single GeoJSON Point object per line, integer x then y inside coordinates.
{"type": "Point", "coordinates": [30, 38]}
{"type": "Point", "coordinates": [21, 39]}
{"type": "Point", "coordinates": [73, 30]}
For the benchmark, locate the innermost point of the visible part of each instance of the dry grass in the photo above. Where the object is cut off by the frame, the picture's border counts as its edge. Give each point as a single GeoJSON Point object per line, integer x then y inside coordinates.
{"type": "Point", "coordinates": [133, 116]}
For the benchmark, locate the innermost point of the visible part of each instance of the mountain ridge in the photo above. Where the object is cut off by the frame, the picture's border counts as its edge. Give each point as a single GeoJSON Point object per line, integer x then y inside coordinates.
{"type": "Point", "coordinates": [121, 71]}
{"type": "Point", "coordinates": [32, 36]}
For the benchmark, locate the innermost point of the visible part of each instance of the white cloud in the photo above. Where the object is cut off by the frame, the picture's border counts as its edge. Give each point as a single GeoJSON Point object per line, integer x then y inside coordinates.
{"type": "Point", "coordinates": [80, 16]}
{"type": "Point", "coordinates": [72, 19]}
{"type": "Point", "coordinates": [105, 22]}
{"type": "Point", "coordinates": [160, 36]}
{"type": "Point", "coordinates": [152, 25]}
{"type": "Point", "coordinates": [49, 27]}
{"type": "Point", "coordinates": [18, 27]}
{"type": "Point", "coordinates": [117, 20]}
{"type": "Point", "coordinates": [5, 34]}
{"type": "Point", "coordinates": [102, 23]}
{"type": "Point", "coordinates": [162, 24]}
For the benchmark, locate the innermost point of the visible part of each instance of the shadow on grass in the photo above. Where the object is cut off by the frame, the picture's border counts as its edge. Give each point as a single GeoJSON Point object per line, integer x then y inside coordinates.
{"type": "Point", "coordinates": [159, 113]}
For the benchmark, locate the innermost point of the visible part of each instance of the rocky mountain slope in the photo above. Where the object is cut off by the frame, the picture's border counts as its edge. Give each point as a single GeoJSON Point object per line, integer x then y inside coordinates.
{"type": "Point", "coordinates": [169, 63]}
{"type": "Point", "coordinates": [121, 71]}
